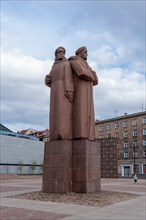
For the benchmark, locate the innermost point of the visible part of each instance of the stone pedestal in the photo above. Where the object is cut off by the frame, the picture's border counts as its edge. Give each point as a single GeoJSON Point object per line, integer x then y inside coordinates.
{"type": "Point", "coordinates": [86, 166]}
{"type": "Point", "coordinates": [57, 170]}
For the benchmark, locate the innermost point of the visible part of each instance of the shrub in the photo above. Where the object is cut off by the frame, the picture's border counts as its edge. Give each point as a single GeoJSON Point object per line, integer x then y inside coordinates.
{"type": "Point", "coordinates": [33, 166]}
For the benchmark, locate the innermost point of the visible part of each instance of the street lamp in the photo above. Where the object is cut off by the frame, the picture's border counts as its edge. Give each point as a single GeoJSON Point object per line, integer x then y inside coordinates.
{"type": "Point", "coordinates": [134, 167]}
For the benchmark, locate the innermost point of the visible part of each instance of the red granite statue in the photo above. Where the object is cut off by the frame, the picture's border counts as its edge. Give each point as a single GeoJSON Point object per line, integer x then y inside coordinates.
{"type": "Point", "coordinates": [60, 79]}
{"type": "Point", "coordinates": [72, 156]}
{"type": "Point", "coordinates": [83, 107]}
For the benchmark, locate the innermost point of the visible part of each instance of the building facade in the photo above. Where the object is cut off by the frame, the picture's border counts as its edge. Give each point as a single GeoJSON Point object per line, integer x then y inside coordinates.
{"type": "Point", "coordinates": [109, 157]}
{"type": "Point", "coordinates": [42, 135]}
{"type": "Point", "coordinates": [20, 154]}
{"type": "Point", "coordinates": [130, 130]}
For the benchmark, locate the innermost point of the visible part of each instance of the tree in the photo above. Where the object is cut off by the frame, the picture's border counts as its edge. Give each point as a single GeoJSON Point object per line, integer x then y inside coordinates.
{"type": "Point", "coordinates": [33, 166]}
{"type": "Point", "coordinates": [20, 166]}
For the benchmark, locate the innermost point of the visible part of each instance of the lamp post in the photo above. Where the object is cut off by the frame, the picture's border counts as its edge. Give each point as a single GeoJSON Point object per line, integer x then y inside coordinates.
{"type": "Point", "coordinates": [134, 160]}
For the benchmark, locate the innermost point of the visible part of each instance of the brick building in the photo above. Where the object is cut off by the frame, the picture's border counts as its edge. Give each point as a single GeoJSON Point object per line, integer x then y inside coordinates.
{"type": "Point", "coordinates": [109, 157]}
{"type": "Point", "coordinates": [42, 135]}
{"type": "Point", "coordinates": [130, 130]}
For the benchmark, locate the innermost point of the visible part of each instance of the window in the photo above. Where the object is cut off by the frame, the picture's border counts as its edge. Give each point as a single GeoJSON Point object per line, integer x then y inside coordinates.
{"type": "Point", "coordinates": [135, 143]}
{"type": "Point", "coordinates": [125, 124]}
{"type": "Point", "coordinates": [144, 142]}
{"type": "Point", "coordinates": [144, 168]}
{"type": "Point", "coordinates": [144, 120]}
{"type": "Point", "coordinates": [125, 134]}
{"type": "Point", "coordinates": [126, 144]}
{"type": "Point", "coordinates": [144, 131]}
{"type": "Point", "coordinates": [101, 128]}
{"type": "Point", "coordinates": [126, 155]}
{"type": "Point", "coordinates": [117, 135]}
{"type": "Point", "coordinates": [118, 145]}
{"type": "Point", "coordinates": [109, 135]}
{"type": "Point", "coordinates": [135, 154]}
{"type": "Point", "coordinates": [134, 122]}
{"type": "Point", "coordinates": [118, 155]}
{"type": "Point", "coordinates": [108, 127]}
{"type": "Point", "coordinates": [100, 136]}
{"type": "Point", "coordinates": [117, 125]}
{"type": "Point", "coordinates": [135, 149]}
{"type": "Point", "coordinates": [135, 132]}
{"type": "Point", "coordinates": [136, 168]}
{"type": "Point", "coordinates": [144, 153]}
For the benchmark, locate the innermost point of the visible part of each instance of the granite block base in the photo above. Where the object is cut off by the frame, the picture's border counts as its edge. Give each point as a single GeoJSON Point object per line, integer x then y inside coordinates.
{"type": "Point", "coordinates": [86, 175]}
{"type": "Point", "coordinates": [57, 169]}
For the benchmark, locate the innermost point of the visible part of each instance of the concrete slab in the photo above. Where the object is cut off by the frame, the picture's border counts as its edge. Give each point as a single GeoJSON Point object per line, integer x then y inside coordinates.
{"type": "Point", "coordinates": [12, 208]}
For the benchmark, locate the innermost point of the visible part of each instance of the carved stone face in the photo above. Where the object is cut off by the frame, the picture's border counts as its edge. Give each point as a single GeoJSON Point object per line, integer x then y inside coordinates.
{"type": "Point", "coordinates": [83, 54]}
{"type": "Point", "coordinates": [60, 54]}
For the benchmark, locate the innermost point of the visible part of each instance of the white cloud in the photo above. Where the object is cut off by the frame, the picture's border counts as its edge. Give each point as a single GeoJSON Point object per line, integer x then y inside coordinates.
{"type": "Point", "coordinates": [114, 34]}
{"type": "Point", "coordinates": [25, 98]}
{"type": "Point", "coordinates": [105, 55]}
{"type": "Point", "coordinates": [23, 67]}
{"type": "Point", "coordinates": [119, 89]}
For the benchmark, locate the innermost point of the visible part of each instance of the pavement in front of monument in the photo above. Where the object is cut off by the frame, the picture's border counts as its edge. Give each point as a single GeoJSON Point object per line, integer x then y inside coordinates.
{"type": "Point", "coordinates": [16, 209]}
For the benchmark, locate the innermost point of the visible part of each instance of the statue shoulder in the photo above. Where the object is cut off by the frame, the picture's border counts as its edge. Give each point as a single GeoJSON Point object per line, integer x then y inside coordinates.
{"type": "Point", "coordinates": [72, 58]}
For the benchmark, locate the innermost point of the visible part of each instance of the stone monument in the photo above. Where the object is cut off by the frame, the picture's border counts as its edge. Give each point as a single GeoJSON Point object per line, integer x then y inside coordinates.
{"type": "Point", "coordinates": [72, 156]}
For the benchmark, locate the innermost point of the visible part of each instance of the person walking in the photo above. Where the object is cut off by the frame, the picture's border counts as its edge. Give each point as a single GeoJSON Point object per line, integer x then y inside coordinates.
{"type": "Point", "coordinates": [135, 178]}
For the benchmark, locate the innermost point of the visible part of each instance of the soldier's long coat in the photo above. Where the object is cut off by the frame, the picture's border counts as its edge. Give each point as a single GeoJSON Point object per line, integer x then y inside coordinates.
{"type": "Point", "coordinates": [83, 107]}
{"type": "Point", "coordinates": [60, 79]}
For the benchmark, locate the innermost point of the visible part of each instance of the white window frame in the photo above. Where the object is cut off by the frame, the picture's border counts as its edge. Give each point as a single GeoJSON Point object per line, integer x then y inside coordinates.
{"type": "Point", "coordinates": [100, 128]}
{"type": "Point", "coordinates": [108, 127]}
{"type": "Point", "coordinates": [117, 125]}
{"type": "Point", "coordinates": [109, 135]}
{"type": "Point", "coordinates": [144, 142]}
{"type": "Point", "coordinates": [100, 136]}
{"type": "Point", "coordinates": [144, 120]}
{"type": "Point", "coordinates": [125, 134]}
{"type": "Point", "coordinates": [126, 144]}
{"type": "Point", "coordinates": [125, 124]}
{"type": "Point", "coordinates": [135, 143]}
{"type": "Point", "coordinates": [134, 122]}
{"type": "Point", "coordinates": [135, 154]}
{"type": "Point", "coordinates": [117, 135]}
{"type": "Point", "coordinates": [126, 154]}
{"type": "Point", "coordinates": [135, 133]}
{"type": "Point", "coordinates": [144, 153]}
{"type": "Point", "coordinates": [144, 131]}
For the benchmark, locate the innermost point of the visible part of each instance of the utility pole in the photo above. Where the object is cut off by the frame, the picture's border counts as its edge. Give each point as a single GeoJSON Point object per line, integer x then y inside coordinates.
{"type": "Point", "coordinates": [116, 111]}
{"type": "Point", "coordinates": [142, 107]}
{"type": "Point", "coordinates": [134, 159]}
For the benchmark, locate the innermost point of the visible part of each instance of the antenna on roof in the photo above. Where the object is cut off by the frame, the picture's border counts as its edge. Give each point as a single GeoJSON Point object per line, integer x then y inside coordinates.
{"type": "Point", "coordinates": [116, 111]}
{"type": "Point", "coordinates": [142, 107]}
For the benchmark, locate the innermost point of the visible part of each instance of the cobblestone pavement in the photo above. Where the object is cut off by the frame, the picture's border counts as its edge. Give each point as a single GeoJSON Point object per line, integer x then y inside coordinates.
{"type": "Point", "coordinates": [16, 209]}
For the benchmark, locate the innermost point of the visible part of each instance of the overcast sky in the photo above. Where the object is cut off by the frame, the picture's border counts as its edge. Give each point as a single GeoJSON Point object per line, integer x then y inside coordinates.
{"type": "Point", "coordinates": [114, 33]}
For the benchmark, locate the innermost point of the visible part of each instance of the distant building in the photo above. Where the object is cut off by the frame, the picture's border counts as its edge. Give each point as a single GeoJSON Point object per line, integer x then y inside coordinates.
{"type": "Point", "coordinates": [42, 135]}
{"type": "Point", "coordinates": [5, 131]}
{"type": "Point", "coordinates": [3, 128]}
{"type": "Point", "coordinates": [20, 150]}
{"type": "Point", "coordinates": [28, 131]}
{"type": "Point", "coordinates": [130, 131]}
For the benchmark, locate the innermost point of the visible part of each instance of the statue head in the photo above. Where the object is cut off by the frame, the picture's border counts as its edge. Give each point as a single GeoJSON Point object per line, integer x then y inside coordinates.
{"type": "Point", "coordinates": [60, 53]}
{"type": "Point", "coordinates": [82, 52]}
